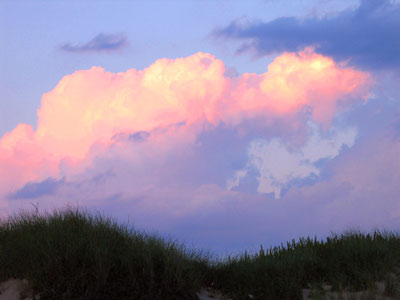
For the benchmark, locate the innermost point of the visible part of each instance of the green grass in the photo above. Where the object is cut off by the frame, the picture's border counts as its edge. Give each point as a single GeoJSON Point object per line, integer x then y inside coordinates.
{"type": "Point", "coordinates": [72, 254]}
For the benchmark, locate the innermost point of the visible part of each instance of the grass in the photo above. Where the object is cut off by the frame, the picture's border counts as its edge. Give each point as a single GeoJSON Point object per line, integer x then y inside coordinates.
{"type": "Point", "coordinates": [72, 254]}
{"type": "Point", "coordinates": [349, 260]}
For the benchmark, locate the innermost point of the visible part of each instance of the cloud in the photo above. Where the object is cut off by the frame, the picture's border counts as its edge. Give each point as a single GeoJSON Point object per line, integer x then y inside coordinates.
{"type": "Point", "coordinates": [166, 105]}
{"type": "Point", "coordinates": [100, 43]}
{"type": "Point", "coordinates": [172, 200]}
{"type": "Point", "coordinates": [139, 136]}
{"type": "Point", "coordinates": [35, 190]}
{"type": "Point", "coordinates": [278, 166]}
{"type": "Point", "coordinates": [365, 36]}
{"type": "Point", "coordinates": [159, 144]}
{"type": "Point", "coordinates": [356, 194]}
{"type": "Point", "coordinates": [363, 190]}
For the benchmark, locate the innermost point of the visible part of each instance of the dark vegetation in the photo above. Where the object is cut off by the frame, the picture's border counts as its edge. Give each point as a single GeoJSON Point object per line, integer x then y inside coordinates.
{"type": "Point", "coordinates": [72, 254]}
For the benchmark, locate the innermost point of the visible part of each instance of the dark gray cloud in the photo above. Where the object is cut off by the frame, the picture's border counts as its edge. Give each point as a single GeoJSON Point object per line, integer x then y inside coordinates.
{"type": "Point", "coordinates": [37, 189]}
{"type": "Point", "coordinates": [100, 43]}
{"type": "Point", "coordinates": [368, 36]}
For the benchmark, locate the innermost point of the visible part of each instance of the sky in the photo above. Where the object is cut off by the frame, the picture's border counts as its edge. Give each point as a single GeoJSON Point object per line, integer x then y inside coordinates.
{"type": "Point", "coordinates": [220, 124]}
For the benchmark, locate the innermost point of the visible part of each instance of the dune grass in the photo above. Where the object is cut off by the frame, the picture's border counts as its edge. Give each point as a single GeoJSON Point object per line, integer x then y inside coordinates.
{"type": "Point", "coordinates": [351, 260]}
{"type": "Point", "coordinates": [73, 254]}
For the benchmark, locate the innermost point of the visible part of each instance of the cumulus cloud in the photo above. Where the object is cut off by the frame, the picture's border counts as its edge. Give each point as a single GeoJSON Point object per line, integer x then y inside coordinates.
{"type": "Point", "coordinates": [365, 36]}
{"type": "Point", "coordinates": [164, 107]}
{"type": "Point", "coordinates": [159, 144]}
{"type": "Point", "coordinates": [100, 43]}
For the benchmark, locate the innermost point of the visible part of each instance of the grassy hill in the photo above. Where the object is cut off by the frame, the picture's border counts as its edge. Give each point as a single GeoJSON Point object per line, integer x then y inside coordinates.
{"type": "Point", "coordinates": [72, 254]}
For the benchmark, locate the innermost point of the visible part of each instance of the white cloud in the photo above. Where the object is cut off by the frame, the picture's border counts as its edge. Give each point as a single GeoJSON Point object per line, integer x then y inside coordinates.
{"type": "Point", "coordinates": [278, 166]}
{"type": "Point", "coordinates": [232, 182]}
{"type": "Point", "coordinates": [318, 148]}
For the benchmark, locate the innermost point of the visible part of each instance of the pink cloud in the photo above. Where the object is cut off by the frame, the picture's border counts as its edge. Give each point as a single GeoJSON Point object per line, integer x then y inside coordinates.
{"type": "Point", "coordinates": [170, 101]}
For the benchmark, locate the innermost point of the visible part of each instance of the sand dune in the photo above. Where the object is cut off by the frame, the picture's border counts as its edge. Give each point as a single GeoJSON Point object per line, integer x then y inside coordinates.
{"type": "Point", "coordinates": [16, 289]}
{"type": "Point", "coordinates": [211, 294]}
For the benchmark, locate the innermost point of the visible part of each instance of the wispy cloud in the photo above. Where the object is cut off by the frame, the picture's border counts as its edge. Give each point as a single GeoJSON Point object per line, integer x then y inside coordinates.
{"type": "Point", "coordinates": [100, 43]}
{"type": "Point", "coordinates": [367, 36]}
